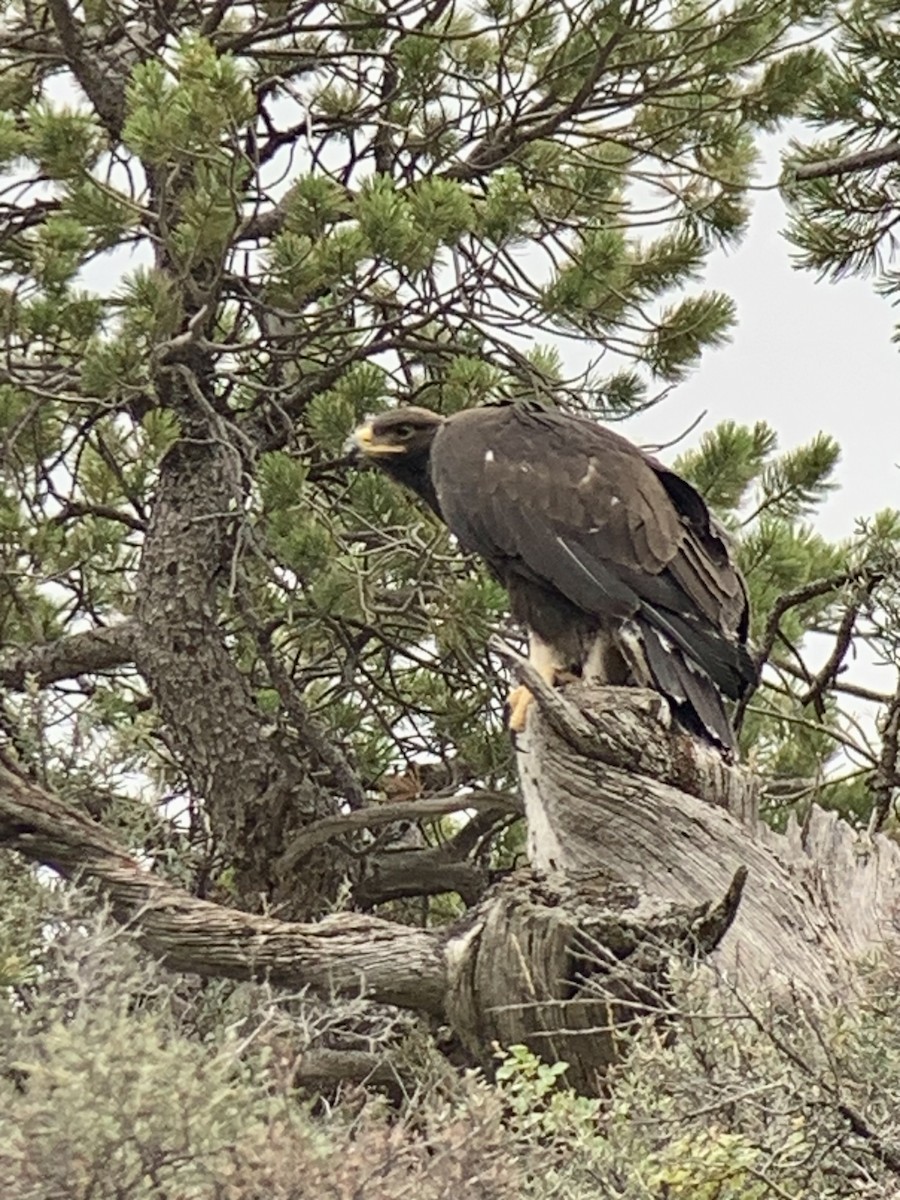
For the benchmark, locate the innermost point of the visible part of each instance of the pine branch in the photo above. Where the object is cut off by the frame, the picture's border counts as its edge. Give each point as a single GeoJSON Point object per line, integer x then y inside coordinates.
{"type": "Point", "coordinates": [314, 735]}
{"type": "Point", "coordinates": [67, 657]}
{"type": "Point", "coordinates": [863, 160]}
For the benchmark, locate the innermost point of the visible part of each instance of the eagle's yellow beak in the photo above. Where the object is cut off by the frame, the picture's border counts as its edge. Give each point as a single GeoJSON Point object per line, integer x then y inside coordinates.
{"type": "Point", "coordinates": [363, 442]}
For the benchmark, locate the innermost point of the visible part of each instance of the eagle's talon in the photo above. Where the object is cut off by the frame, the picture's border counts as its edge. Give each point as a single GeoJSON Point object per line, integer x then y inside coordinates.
{"type": "Point", "coordinates": [519, 701]}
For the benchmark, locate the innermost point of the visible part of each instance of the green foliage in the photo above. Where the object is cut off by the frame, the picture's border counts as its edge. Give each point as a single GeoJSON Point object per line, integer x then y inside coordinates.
{"type": "Point", "coordinates": [795, 483]}
{"type": "Point", "coordinates": [711, 1165]}
{"type": "Point", "coordinates": [24, 901]}
{"type": "Point", "coordinates": [240, 242]}
{"type": "Point", "coordinates": [13, 141]}
{"type": "Point", "coordinates": [120, 1085]}
{"type": "Point", "coordinates": [505, 210]}
{"type": "Point", "coordinates": [728, 459]}
{"type": "Point", "coordinates": [785, 86]}
{"type": "Point", "coordinates": [56, 251]}
{"type": "Point", "coordinates": [312, 205]}
{"type": "Point", "coordinates": [842, 222]}
{"type": "Point", "coordinates": [407, 230]}
{"type": "Point", "coordinates": [62, 141]}
{"type": "Point", "coordinates": [178, 112]}
{"type": "Point", "coordinates": [686, 328]}
{"type": "Point", "coordinates": [538, 1105]}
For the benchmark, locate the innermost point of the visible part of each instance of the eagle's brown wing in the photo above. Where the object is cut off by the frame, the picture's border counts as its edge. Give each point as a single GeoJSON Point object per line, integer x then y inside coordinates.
{"type": "Point", "coordinates": [581, 510]}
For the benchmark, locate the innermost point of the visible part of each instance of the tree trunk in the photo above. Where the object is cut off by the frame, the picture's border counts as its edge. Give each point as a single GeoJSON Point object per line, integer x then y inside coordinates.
{"type": "Point", "coordinates": [255, 782]}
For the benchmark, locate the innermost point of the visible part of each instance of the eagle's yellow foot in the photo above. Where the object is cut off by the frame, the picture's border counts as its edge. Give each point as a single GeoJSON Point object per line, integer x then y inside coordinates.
{"type": "Point", "coordinates": [519, 701]}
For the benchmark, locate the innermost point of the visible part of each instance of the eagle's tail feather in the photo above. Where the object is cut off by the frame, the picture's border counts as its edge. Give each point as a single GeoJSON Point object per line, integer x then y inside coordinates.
{"type": "Point", "coordinates": [590, 584]}
{"type": "Point", "coordinates": [696, 699]}
{"type": "Point", "coordinates": [728, 664]}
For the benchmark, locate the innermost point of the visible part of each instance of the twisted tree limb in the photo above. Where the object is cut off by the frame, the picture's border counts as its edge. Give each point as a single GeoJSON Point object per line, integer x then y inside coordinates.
{"type": "Point", "coordinates": [346, 953]}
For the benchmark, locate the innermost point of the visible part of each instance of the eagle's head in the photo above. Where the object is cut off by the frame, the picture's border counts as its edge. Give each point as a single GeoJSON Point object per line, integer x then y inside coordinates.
{"type": "Point", "coordinates": [399, 442]}
{"type": "Point", "coordinates": [402, 431]}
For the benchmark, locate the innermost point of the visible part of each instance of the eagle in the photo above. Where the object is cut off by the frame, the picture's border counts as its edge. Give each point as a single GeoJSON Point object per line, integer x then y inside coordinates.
{"type": "Point", "coordinates": [613, 564]}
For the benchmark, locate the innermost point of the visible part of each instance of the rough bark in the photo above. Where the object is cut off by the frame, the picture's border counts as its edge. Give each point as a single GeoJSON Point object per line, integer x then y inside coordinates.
{"type": "Point", "coordinates": [257, 793]}
{"type": "Point", "coordinates": [68, 657]}
{"type": "Point", "coordinates": [426, 871]}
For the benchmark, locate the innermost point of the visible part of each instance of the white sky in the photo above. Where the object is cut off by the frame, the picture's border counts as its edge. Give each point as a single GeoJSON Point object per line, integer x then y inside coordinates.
{"type": "Point", "coordinates": [806, 355]}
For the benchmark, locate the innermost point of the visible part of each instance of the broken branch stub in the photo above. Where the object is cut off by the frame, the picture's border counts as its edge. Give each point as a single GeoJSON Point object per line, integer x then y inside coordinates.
{"type": "Point", "coordinates": [569, 965]}
{"type": "Point", "coordinates": [642, 804]}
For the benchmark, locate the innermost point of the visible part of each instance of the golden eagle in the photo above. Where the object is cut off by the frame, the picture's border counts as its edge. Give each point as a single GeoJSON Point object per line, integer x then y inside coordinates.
{"type": "Point", "coordinates": [613, 563]}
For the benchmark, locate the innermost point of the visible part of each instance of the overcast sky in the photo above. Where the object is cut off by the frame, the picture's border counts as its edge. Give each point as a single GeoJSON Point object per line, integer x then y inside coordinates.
{"type": "Point", "coordinates": [806, 356]}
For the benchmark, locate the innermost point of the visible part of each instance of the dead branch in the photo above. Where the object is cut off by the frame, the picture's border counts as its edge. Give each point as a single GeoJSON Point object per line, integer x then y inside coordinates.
{"type": "Point", "coordinates": [377, 816]}
{"type": "Point", "coordinates": [346, 953]}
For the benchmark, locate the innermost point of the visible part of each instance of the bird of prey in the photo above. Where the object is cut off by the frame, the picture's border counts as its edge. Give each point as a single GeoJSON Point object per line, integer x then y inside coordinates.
{"type": "Point", "coordinates": [612, 562]}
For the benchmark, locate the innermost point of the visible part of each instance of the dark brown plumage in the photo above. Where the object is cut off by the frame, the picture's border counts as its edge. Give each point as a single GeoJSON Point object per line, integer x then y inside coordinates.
{"type": "Point", "coordinates": [612, 562]}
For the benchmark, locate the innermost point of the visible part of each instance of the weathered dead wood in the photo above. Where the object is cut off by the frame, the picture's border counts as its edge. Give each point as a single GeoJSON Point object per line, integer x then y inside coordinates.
{"type": "Point", "coordinates": [567, 965]}
{"type": "Point", "coordinates": [344, 954]}
{"type": "Point", "coordinates": [638, 803]}
{"type": "Point", "coordinates": [562, 964]}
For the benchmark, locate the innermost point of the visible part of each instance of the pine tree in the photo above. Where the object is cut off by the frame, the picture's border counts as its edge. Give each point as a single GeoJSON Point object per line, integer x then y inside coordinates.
{"type": "Point", "coordinates": [840, 189]}
{"type": "Point", "coordinates": [841, 186]}
{"type": "Point", "coordinates": [235, 229]}
{"type": "Point", "coordinates": [230, 231]}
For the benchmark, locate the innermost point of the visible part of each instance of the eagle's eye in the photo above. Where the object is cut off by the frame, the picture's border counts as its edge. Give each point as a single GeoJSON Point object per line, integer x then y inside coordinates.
{"type": "Point", "coordinates": [404, 432]}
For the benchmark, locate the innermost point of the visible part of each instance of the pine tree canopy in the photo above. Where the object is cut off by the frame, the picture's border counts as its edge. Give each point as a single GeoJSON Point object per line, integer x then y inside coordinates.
{"type": "Point", "coordinates": [252, 698]}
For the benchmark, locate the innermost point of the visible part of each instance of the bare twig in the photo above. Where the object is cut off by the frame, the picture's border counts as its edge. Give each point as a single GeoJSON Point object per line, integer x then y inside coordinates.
{"type": "Point", "coordinates": [826, 677]}
{"type": "Point", "coordinates": [803, 595]}
{"type": "Point", "coordinates": [839, 685]}
{"type": "Point", "coordinates": [315, 737]}
{"type": "Point", "coordinates": [75, 509]}
{"type": "Point", "coordinates": [883, 1150]}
